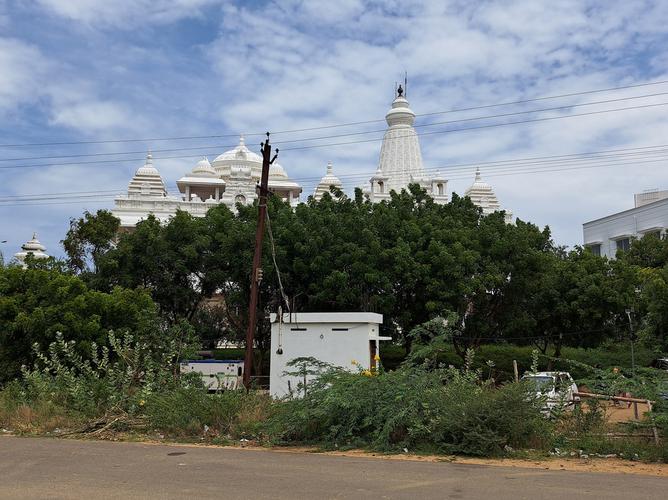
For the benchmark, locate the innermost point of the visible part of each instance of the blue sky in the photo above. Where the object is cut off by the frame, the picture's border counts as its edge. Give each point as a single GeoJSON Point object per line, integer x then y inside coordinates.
{"type": "Point", "coordinates": [88, 70]}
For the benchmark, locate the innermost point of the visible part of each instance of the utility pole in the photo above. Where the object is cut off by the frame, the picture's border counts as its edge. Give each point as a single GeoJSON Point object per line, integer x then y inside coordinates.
{"type": "Point", "coordinates": [633, 357]}
{"type": "Point", "coordinates": [633, 341]}
{"type": "Point", "coordinates": [256, 276]}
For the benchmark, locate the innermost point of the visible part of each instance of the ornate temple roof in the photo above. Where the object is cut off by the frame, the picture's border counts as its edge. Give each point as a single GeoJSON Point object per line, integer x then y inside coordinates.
{"type": "Point", "coordinates": [33, 247]}
{"type": "Point", "coordinates": [278, 179]}
{"type": "Point", "coordinates": [483, 195]}
{"type": "Point", "coordinates": [203, 169]}
{"type": "Point", "coordinates": [147, 181]}
{"type": "Point", "coordinates": [400, 155]}
{"type": "Point", "coordinates": [326, 182]}
{"type": "Point", "coordinates": [239, 153]}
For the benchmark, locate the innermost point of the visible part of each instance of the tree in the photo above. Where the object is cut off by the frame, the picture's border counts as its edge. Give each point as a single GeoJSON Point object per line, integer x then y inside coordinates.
{"type": "Point", "coordinates": [168, 260]}
{"type": "Point", "coordinates": [36, 303]}
{"type": "Point", "coordinates": [88, 238]}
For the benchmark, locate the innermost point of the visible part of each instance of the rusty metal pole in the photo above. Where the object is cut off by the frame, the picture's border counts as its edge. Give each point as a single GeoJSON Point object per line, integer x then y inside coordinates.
{"type": "Point", "coordinates": [256, 275]}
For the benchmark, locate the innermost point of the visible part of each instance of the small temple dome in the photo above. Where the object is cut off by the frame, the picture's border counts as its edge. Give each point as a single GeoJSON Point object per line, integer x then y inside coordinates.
{"type": "Point", "coordinates": [482, 195]}
{"type": "Point", "coordinates": [147, 181]}
{"type": "Point", "coordinates": [204, 169]}
{"type": "Point", "coordinates": [400, 114]}
{"type": "Point", "coordinates": [31, 247]}
{"type": "Point", "coordinates": [277, 171]}
{"type": "Point", "coordinates": [241, 152]}
{"type": "Point", "coordinates": [148, 168]}
{"type": "Point", "coordinates": [326, 182]}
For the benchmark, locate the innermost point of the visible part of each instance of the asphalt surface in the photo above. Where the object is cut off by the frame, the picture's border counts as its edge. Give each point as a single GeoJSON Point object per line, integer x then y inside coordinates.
{"type": "Point", "coordinates": [53, 469]}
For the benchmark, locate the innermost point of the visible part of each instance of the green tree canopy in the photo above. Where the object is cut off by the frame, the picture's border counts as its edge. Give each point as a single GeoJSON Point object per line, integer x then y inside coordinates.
{"type": "Point", "coordinates": [37, 303]}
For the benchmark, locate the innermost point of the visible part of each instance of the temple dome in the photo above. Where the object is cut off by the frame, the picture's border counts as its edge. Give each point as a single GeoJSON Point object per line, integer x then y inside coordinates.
{"type": "Point", "coordinates": [277, 171]}
{"type": "Point", "coordinates": [239, 156]}
{"type": "Point", "coordinates": [204, 169]}
{"type": "Point", "coordinates": [31, 247]}
{"type": "Point", "coordinates": [241, 152]}
{"type": "Point", "coordinates": [400, 156]}
{"type": "Point", "coordinates": [482, 195]}
{"type": "Point", "coordinates": [328, 180]}
{"type": "Point", "coordinates": [400, 114]}
{"type": "Point", "coordinates": [147, 181]}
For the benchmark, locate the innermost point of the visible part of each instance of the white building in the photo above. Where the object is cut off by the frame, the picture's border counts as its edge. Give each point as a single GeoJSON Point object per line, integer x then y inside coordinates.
{"type": "Point", "coordinates": [230, 179]}
{"type": "Point", "coordinates": [327, 182]}
{"type": "Point", "coordinates": [233, 176]}
{"type": "Point", "coordinates": [482, 195]}
{"type": "Point", "coordinates": [614, 232]}
{"type": "Point", "coordinates": [400, 162]}
{"type": "Point", "coordinates": [31, 247]}
{"type": "Point", "coordinates": [338, 338]}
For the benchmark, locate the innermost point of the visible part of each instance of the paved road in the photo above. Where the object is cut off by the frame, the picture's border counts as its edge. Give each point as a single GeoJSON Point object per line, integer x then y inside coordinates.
{"type": "Point", "coordinates": [49, 468]}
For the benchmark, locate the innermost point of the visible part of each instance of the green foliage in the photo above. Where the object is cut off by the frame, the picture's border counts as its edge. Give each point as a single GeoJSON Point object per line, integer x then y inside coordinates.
{"type": "Point", "coordinates": [37, 303]}
{"type": "Point", "coordinates": [408, 258]}
{"type": "Point", "coordinates": [188, 411]}
{"type": "Point", "coordinates": [444, 410]}
{"type": "Point", "coordinates": [118, 377]}
{"type": "Point", "coordinates": [88, 238]}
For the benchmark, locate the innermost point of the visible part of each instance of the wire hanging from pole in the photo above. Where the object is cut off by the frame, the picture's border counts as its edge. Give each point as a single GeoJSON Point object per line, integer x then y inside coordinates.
{"type": "Point", "coordinates": [284, 296]}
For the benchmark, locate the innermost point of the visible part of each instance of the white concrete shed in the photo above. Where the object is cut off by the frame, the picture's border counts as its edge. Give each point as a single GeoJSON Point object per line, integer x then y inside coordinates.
{"type": "Point", "coordinates": [337, 338]}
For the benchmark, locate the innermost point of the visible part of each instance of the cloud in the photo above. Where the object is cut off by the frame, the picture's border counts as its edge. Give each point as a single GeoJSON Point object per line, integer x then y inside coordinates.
{"type": "Point", "coordinates": [99, 69]}
{"type": "Point", "coordinates": [22, 71]}
{"type": "Point", "coordinates": [125, 14]}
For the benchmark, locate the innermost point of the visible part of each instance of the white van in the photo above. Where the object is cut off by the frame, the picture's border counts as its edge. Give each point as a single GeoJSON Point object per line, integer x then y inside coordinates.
{"type": "Point", "coordinates": [217, 375]}
{"type": "Point", "coordinates": [558, 388]}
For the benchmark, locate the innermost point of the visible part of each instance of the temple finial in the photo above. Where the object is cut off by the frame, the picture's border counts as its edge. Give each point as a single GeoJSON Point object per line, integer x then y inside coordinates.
{"type": "Point", "coordinates": [400, 91]}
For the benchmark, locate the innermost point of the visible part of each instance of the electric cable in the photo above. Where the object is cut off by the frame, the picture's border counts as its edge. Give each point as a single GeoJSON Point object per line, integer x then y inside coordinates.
{"type": "Point", "coordinates": [350, 134]}
{"type": "Point", "coordinates": [455, 110]}
{"type": "Point", "coordinates": [412, 134]}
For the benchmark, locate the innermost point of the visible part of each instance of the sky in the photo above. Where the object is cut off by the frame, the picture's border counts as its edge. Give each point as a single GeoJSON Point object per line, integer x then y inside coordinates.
{"type": "Point", "coordinates": [87, 71]}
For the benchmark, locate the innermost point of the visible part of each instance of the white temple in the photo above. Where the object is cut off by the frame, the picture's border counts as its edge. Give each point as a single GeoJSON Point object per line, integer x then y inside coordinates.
{"type": "Point", "coordinates": [482, 195]}
{"type": "Point", "coordinates": [230, 179]}
{"type": "Point", "coordinates": [327, 182]}
{"type": "Point", "coordinates": [400, 161]}
{"type": "Point", "coordinates": [31, 247]}
{"type": "Point", "coordinates": [233, 177]}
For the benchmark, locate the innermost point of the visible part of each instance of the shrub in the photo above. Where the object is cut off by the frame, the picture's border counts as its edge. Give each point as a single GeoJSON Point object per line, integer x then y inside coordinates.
{"type": "Point", "coordinates": [189, 411]}
{"type": "Point", "coordinates": [446, 410]}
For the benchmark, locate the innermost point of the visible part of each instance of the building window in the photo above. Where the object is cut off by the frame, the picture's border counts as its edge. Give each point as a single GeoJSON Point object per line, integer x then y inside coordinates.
{"type": "Point", "coordinates": [624, 244]}
{"type": "Point", "coordinates": [595, 249]}
{"type": "Point", "coordinates": [381, 187]}
{"type": "Point", "coordinates": [653, 234]}
{"type": "Point", "coordinates": [439, 187]}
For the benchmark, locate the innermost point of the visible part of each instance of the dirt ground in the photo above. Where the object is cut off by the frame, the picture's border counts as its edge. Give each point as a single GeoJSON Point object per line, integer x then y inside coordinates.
{"type": "Point", "coordinates": [609, 465]}
{"type": "Point", "coordinates": [623, 412]}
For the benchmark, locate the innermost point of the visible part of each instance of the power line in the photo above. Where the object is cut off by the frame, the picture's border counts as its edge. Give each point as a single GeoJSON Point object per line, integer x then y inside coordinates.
{"type": "Point", "coordinates": [18, 196]}
{"type": "Point", "coordinates": [447, 131]}
{"type": "Point", "coordinates": [32, 204]}
{"type": "Point", "coordinates": [507, 164]}
{"type": "Point", "coordinates": [493, 125]}
{"type": "Point", "coordinates": [219, 136]}
{"type": "Point", "coordinates": [449, 168]}
{"type": "Point", "coordinates": [508, 171]}
{"type": "Point", "coordinates": [350, 134]}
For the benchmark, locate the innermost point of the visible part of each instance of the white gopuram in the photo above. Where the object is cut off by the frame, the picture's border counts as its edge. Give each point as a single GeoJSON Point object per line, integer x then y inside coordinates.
{"type": "Point", "coordinates": [482, 195]}
{"type": "Point", "coordinates": [327, 182]}
{"type": "Point", "coordinates": [400, 161]}
{"type": "Point", "coordinates": [230, 179]}
{"type": "Point", "coordinates": [31, 247]}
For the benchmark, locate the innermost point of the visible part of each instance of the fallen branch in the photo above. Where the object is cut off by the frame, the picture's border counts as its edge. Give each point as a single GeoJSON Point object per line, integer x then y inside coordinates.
{"type": "Point", "coordinates": [612, 398]}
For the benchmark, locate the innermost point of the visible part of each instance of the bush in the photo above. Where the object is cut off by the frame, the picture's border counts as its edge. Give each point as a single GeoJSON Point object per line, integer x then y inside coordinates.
{"type": "Point", "coordinates": [191, 411]}
{"type": "Point", "coordinates": [502, 355]}
{"type": "Point", "coordinates": [441, 410]}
